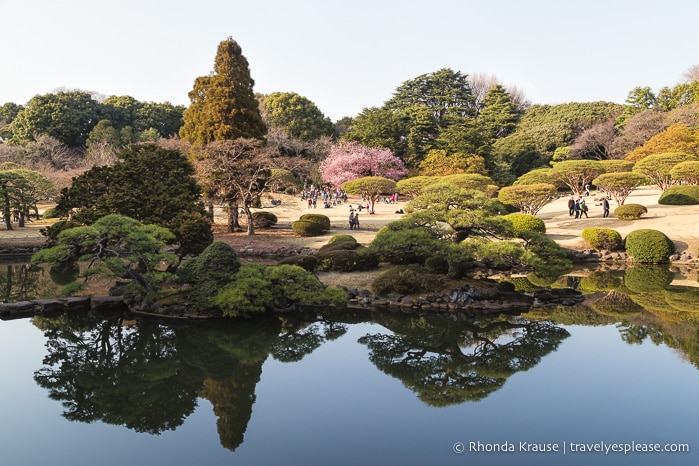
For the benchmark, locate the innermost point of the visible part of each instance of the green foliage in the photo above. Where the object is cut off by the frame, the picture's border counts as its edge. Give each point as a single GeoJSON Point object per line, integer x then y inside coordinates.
{"type": "Point", "coordinates": [603, 238]}
{"type": "Point", "coordinates": [548, 259]}
{"type": "Point", "coordinates": [223, 104]}
{"type": "Point", "coordinates": [619, 184]}
{"type": "Point", "coordinates": [647, 278]}
{"type": "Point", "coordinates": [538, 175]}
{"type": "Point", "coordinates": [51, 212]}
{"type": "Point", "coordinates": [297, 115]}
{"type": "Point", "coordinates": [398, 245]}
{"type": "Point", "coordinates": [648, 246]}
{"type": "Point", "coordinates": [414, 185]}
{"type": "Point", "coordinates": [320, 219]}
{"type": "Point", "coordinates": [306, 262]}
{"type": "Point", "coordinates": [686, 172]}
{"type": "Point", "coordinates": [601, 281]}
{"type": "Point", "coordinates": [526, 222]}
{"type": "Point", "coordinates": [192, 232]}
{"type": "Point", "coordinates": [346, 260]}
{"type": "Point", "coordinates": [502, 255]}
{"type": "Point", "coordinates": [264, 219]}
{"type": "Point", "coordinates": [257, 289]}
{"type": "Point", "coordinates": [680, 195]}
{"type": "Point", "coordinates": [658, 167]}
{"type": "Point", "coordinates": [207, 273]}
{"type": "Point", "coordinates": [118, 246]}
{"type": "Point", "coordinates": [529, 198]}
{"type": "Point", "coordinates": [576, 174]}
{"type": "Point", "coordinates": [616, 166]}
{"type": "Point", "coordinates": [630, 211]}
{"type": "Point", "coordinates": [437, 265]}
{"type": "Point", "coordinates": [307, 228]}
{"type": "Point", "coordinates": [404, 280]}
{"type": "Point", "coordinates": [341, 239]}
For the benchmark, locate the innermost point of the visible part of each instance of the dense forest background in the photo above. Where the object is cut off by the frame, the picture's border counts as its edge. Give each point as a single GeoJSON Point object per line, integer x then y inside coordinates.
{"type": "Point", "coordinates": [439, 123]}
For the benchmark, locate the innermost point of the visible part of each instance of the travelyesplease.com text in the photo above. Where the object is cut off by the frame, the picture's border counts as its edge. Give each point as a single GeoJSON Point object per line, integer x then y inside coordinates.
{"type": "Point", "coordinates": [568, 447]}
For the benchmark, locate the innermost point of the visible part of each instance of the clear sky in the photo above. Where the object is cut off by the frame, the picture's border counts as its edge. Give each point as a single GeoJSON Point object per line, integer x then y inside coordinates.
{"type": "Point", "coordinates": [345, 56]}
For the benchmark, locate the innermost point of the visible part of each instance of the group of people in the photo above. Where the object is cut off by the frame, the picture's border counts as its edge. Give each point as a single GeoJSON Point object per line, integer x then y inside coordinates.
{"type": "Point", "coordinates": [330, 197]}
{"type": "Point", "coordinates": [578, 207]}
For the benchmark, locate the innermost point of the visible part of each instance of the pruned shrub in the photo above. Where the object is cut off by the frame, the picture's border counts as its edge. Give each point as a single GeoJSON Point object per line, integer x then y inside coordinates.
{"type": "Point", "coordinates": [263, 219]}
{"type": "Point", "coordinates": [680, 195]}
{"type": "Point", "coordinates": [320, 219]}
{"type": "Point", "coordinates": [404, 246]}
{"type": "Point", "coordinates": [341, 239]}
{"type": "Point", "coordinates": [404, 280]}
{"type": "Point", "coordinates": [307, 228]}
{"type": "Point", "coordinates": [526, 222]}
{"type": "Point", "coordinates": [208, 272]}
{"type": "Point", "coordinates": [339, 246]}
{"type": "Point", "coordinates": [306, 262]}
{"type": "Point", "coordinates": [437, 264]}
{"type": "Point", "coordinates": [648, 246]}
{"type": "Point", "coordinates": [647, 278]}
{"type": "Point", "coordinates": [630, 211]}
{"type": "Point", "coordinates": [603, 238]}
{"type": "Point", "coordinates": [51, 212]}
{"type": "Point", "coordinates": [344, 260]}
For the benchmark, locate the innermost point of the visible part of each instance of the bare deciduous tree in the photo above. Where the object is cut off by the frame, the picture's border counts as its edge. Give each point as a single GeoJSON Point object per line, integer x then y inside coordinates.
{"type": "Point", "coordinates": [594, 142]}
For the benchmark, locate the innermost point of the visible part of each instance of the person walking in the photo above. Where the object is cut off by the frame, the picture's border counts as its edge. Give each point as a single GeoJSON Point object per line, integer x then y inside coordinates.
{"type": "Point", "coordinates": [583, 209]}
{"type": "Point", "coordinates": [356, 222]}
{"type": "Point", "coordinates": [571, 206]}
{"type": "Point", "coordinates": [351, 220]}
{"type": "Point", "coordinates": [576, 208]}
{"type": "Point", "coordinates": [605, 207]}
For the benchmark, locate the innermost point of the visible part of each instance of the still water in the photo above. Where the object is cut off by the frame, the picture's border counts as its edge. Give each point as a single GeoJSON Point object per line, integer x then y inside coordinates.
{"type": "Point", "coordinates": [359, 387]}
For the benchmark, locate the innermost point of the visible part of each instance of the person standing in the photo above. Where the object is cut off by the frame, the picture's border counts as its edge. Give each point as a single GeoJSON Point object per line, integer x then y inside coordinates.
{"type": "Point", "coordinates": [576, 208]}
{"type": "Point", "coordinates": [356, 222]}
{"type": "Point", "coordinates": [605, 207]}
{"type": "Point", "coordinates": [571, 206]}
{"type": "Point", "coordinates": [351, 220]}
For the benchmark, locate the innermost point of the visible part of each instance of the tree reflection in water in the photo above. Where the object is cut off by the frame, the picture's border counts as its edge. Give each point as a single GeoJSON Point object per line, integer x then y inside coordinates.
{"type": "Point", "coordinates": [448, 361]}
{"type": "Point", "coordinates": [147, 375]}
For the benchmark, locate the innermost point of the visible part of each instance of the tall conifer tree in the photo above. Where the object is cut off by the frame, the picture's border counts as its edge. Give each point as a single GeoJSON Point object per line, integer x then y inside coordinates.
{"type": "Point", "coordinates": [223, 105]}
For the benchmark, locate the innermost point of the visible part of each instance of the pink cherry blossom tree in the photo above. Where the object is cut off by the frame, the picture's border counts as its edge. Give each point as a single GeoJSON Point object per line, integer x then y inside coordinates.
{"type": "Point", "coordinates": [350, 160]}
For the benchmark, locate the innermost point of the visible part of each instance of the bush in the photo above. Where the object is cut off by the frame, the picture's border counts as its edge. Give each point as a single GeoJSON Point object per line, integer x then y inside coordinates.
{"type": "Point", "coordinates": [344, 260]}
{"type": "Point", "coordinates": [51, 212]}
{"type": "Point", "coordinates": [603, 238]}
{"type": "Point", "coordinates": [320, 219]}
{"type": "Point", "coordinates": [437, 264]}
{"type": "Point", "coordinates": [630, 211]}
{"type": "Point", "coordinates": [342, 239]}
{"type": "Point", "coordinates": [647, 278]}
{"type": "Point", "coordinates": [680, 195]}
{"type": "Point", "coordinates": [307, 228]}
{"type": "Point", "coordinates": [404, 280]}
{"type": "Point", "coordinates": [648, 246]}
{"type": "Point", "coordinates": [263, 219]}
{"type": "Point", "coordinates": [306, 262]}
{"type": "Point", "coordinates": [341, 246]}
{"type": "Point", "coordinates": [526, 222]}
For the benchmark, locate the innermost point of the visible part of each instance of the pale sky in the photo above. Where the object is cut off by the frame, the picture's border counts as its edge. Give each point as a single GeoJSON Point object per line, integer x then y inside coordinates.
{"type": "Point", "coordinates": [345, 56]}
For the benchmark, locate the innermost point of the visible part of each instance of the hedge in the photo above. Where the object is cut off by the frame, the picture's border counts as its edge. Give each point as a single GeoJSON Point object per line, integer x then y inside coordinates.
{"type": "Point", "coordinates": [264, 219]}
{"type": "Point", "coordinates": [342, 239]}
{"type": "Point", "coordinates": [526, 222]}
{"type": "Point", "coordinates": [648, 246]}
{"type": "Point", "coordinates": [409, 279]}
{"type": "Point", "coordinates": [321, 219]}
{"type": "Point", "coordinates": [603, 238]}
{"type": "Point", "coordinates": [307, 228]}
{"type": "Point", "coordinates": [680, 195]}
{"type": "Point", "coordinates": [630, 211]}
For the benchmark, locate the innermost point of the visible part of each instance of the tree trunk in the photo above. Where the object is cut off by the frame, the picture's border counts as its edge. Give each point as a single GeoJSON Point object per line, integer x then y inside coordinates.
{"type": "Point", "coordinates": [7, 213]}
{"type": "Point", "coordinates": [210, 209]}
{"type": "Point", "coordinates": [233, 220]}
{"type": "Point", "coordinates": [248, 213]}
{"type": "Point", "coordinates": [20, 218]}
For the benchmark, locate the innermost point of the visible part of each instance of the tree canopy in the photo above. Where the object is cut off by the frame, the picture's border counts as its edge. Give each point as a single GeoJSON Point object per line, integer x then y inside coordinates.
{"type": "Point", "coordinates": [223, 104]}
{"type": "Point", "coordinates": [300, 117]}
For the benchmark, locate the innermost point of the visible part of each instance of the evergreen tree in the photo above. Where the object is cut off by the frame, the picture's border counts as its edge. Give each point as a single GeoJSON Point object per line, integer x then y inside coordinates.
{"type": "Point", "coordinates": [223, 105]}
{"type": "Point", "coordinates": [499, 115]}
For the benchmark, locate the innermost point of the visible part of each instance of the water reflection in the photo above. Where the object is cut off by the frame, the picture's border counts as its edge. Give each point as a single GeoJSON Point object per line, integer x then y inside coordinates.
{"type": "Point", "coordinates": [447, 361]}
{"type": "Point", "coordinates": [147, 375]}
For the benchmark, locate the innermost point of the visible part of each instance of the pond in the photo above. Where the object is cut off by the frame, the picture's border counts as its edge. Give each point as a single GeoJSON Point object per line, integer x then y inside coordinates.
{"type": "Point", "coordinates": [582, 383]}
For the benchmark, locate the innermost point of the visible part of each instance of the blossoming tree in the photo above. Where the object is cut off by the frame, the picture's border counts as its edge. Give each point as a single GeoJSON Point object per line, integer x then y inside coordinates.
{"type": "Point", "coordinates": [350, 160]}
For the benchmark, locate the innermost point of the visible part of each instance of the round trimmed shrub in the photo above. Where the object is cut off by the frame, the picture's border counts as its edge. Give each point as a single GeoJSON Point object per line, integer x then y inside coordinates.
{"type": "Point", "coordinates": [680, 195]}
{"type": "Point", "coordinates": [307, 228]}
{"type": "Point", "coordinates": [341, 246]}
{"type": "Point", "coordinates": [51, 212]}
{"type": "Point", "coordinates": [306, 262]}
{"type": "Point", "coordinates": [404, 280]}
{"type": "Point", "coordinates": [320, 219]}
{"type": "Point", "coordinates": [630, 211]}
{"type": "Point", "coordinates": [526, 222]}
{"type": "Point", "coordinates": [602, 238]}
{"type": "Point", "coordinates": [263, 219]}
{"type": "Point", "coordinates": [647, 278]}
{"type": "Point", "coordinates": [648, 246]}
{"type": "Point", "coordinates": [341, 239]}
